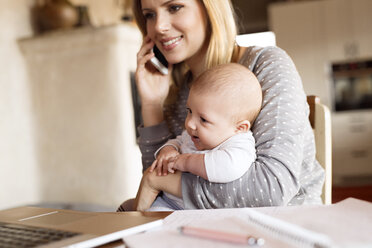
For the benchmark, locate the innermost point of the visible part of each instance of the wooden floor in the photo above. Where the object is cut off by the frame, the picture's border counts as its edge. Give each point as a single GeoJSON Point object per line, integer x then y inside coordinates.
{"type": "Point", "coordinates": [360, 192]}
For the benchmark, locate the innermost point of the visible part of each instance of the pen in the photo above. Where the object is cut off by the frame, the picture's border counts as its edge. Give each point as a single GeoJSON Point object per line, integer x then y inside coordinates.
{"type": "Point", "coordinates": [221, 236]}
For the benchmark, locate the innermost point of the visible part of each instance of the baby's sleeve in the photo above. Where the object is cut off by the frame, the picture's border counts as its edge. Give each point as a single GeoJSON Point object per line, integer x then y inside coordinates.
{"type": "Point", "coordinates": [176, 143]}
{"type": "Point", "coordinates": [230, 160]}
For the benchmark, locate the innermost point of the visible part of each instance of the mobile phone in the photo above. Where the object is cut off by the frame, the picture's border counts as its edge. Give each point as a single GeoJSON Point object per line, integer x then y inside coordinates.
{"type": "Point", "coordinates": [159, 61]}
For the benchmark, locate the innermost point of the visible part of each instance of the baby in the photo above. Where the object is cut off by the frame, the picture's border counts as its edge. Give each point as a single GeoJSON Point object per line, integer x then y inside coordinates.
{"type": "Point", "coordinates": [217, 143]}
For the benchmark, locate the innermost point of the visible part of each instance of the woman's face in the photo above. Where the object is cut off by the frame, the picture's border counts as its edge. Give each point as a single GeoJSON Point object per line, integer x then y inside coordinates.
{"type": "Point", "coordinates": [178, 28]}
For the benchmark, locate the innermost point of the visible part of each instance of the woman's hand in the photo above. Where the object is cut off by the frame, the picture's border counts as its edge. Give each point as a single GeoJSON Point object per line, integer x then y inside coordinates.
{"type": "Point", "coordinates": [151, 185]}
{"type": "Point", "coordinates": [153, 87]}
{"type": "Point", "coordinates": [147, 193]}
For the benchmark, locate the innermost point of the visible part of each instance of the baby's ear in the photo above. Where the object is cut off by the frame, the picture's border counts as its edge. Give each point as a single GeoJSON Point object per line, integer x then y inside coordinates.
{"type": "Point", "coordinates": [243, 126]}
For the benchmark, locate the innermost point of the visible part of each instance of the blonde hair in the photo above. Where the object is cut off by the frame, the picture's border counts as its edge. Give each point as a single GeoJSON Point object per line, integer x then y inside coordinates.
{"type": "Point", "coordinates": [233, 84]}
{"type": "Point", "coordinates": [222, 31]}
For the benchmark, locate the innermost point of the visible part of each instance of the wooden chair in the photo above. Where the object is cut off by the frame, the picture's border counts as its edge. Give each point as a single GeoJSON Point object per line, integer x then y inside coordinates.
{"type": "Point", "coordinates": [320, 119]}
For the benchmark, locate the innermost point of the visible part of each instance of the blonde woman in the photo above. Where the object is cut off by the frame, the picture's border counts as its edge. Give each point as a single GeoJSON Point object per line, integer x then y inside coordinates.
{"type": "Point", "coordinates": [195, 35]}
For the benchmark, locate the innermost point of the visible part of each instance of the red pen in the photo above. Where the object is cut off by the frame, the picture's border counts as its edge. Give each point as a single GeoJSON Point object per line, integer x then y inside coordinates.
{"type": "Point", "coordinates": [221, 236]}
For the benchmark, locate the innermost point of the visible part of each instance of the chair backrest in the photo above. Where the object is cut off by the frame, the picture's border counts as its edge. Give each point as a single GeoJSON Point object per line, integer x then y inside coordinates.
{"type": "Point", "coordinates": [320, 119]}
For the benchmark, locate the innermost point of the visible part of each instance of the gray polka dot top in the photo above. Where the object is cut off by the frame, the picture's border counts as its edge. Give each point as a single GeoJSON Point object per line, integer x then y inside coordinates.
{"type": "Point", "coordinates": [285, 171]}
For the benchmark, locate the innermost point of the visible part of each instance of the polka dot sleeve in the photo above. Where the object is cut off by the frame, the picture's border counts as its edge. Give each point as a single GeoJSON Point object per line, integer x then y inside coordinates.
{"type": "Point", "coordinates": [153, 137]}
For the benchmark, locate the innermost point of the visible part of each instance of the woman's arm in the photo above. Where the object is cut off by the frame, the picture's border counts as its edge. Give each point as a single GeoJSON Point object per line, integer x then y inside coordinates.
{"type": "Point", "coordinates": [151, 185]}
{"type": "Point", "coordinates": [153, 137]}
{"type": "Point", "coordinates": [150, 140]}
{"type": "Point", "coordinates": [285, 163]}
{"type": "Point", "coordinates": [153, 88]}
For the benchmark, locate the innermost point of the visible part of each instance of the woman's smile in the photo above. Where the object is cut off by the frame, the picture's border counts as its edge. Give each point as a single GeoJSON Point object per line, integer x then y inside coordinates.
{"type": "Point", "coordinates": [170, 43]}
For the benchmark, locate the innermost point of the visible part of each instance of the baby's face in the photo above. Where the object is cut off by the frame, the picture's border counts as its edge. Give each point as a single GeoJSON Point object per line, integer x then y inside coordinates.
{"type": "Point", "coordinates": [209, 120]}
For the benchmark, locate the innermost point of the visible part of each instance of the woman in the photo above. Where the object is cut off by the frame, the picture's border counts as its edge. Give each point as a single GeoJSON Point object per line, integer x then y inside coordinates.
{"type": "Point", "coordinates": [195, 35]}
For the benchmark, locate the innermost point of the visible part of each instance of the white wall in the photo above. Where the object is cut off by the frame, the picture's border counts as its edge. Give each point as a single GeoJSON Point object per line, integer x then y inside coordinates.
{"type": "Point", "coordinates": [18, 180]}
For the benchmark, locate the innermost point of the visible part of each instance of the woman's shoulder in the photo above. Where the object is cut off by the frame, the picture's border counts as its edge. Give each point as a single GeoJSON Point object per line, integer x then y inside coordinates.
{"type": "Point", "coordinates": [252, 55]}
{"type": "Point", "coordinates": [260, 50]}
{"type": "Point", "coordinates": [268, 62]}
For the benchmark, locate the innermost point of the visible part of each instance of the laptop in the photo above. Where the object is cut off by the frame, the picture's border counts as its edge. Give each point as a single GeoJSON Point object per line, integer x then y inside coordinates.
{"type": "Point", "coordinates": [72, 228]}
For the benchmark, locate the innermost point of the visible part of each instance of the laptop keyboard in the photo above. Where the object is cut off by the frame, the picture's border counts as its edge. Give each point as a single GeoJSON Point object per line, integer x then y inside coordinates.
{"type": "Point", "coordinates": [13, 235]}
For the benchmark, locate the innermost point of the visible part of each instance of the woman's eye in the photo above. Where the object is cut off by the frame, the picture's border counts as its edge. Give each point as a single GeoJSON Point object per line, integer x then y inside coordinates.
{"type": "Point", "coordinates": [203, 120]}
{"type": "Point", "coordinates": [188, 110]}
{"type": "Point", "coordinates": [174, 8]}
{"type": "Point", "coordinates": [149, 16]}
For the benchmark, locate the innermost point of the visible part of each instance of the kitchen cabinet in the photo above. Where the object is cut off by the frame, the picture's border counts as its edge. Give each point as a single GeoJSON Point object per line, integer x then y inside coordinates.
{"type": "Point", "coordinates": [352, 145]}
{"type": "Point", "coordinates": [348, 29]}
{"type": "Point", "coordinates": [299, 30]}
{"type": "Point", "coordinates": [363, 26]}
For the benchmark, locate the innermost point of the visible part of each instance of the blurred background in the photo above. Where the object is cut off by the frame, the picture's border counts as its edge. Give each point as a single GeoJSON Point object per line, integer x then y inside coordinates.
{"type": "Point", "coordinates": [68, 106]}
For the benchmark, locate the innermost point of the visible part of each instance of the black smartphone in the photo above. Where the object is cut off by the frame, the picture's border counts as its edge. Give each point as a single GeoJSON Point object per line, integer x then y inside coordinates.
{"type": "Point", "coordinates": [159, 61]}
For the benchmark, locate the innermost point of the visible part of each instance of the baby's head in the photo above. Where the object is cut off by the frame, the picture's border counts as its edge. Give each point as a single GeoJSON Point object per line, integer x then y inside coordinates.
{"type": "Point", "coordinates": [235, 86]}
{"type": "Point", "coordinates": [226, 99]}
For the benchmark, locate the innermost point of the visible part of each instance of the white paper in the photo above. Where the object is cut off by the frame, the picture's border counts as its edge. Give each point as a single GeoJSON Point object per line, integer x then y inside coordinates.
{"type": "Point", "coordinates": [228, 220]}
{"type": "Point", "coordinates": [347, 224]}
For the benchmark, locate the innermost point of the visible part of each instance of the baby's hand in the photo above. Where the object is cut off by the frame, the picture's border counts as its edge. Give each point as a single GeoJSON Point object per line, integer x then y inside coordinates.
{"type": "Point", "coordinates": [177, 162]}
{"type": "Point", "coordinates": [171, 164]}
{"type": "Point", "coordinates": [161, 162]}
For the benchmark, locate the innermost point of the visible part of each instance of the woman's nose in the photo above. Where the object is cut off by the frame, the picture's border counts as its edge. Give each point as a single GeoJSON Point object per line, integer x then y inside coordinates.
{"type": "Point", "coordinates": [162, 24]}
